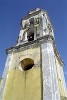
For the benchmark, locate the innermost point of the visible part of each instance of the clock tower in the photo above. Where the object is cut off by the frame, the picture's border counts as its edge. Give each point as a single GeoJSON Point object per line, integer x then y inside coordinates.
{"type": "Point", "coordinates": [34, 69]}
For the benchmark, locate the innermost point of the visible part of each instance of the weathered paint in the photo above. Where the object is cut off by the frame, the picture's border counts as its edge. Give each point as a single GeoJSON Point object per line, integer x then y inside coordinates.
{"type": "Point", "coordinates": [61, 80]}
{"type": "Point", "coordinates": [23, 85]}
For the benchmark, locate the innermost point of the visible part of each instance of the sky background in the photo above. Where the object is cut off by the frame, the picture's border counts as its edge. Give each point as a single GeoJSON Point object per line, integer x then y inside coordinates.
{"type": "Point", "coordinates": [11, 12]}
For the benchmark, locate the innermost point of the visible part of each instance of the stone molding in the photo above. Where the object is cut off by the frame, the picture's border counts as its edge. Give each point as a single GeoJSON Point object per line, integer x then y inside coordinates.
{"type": "Point", "coordinates": [36, 43]}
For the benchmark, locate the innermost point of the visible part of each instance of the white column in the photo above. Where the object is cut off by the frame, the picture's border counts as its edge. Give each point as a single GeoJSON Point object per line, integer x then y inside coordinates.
{"type": "Point", "coordinates": [26, 36]}
{"type": "Point", "coordinates": [5, 73]}
{"type": "Point", "coordinates": [50, 81]}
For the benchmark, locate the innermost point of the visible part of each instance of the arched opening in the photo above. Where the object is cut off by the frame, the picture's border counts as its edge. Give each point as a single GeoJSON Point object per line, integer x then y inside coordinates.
{"type": "Point", "coordinates": [30, 34]}
{"type": "Point", "coordinates": [27, 64]}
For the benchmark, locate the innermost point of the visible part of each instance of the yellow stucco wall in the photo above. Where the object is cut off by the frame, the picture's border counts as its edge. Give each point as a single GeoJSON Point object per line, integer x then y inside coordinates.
{"type": "Point", "coordinates": [23, 85]}
{"type": "Point", "coordinates": [33, 53]}
{"type": "Point", "coordinates": [62, 87]}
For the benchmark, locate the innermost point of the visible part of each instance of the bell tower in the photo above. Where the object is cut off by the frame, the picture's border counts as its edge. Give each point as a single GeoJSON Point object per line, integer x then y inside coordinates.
{"type": "Point", "coordinates": [34, 68]}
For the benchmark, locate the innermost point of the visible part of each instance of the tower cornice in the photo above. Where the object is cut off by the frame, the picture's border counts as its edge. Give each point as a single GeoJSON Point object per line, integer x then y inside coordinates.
{"type": "Point", "coordinates": [34, 43]}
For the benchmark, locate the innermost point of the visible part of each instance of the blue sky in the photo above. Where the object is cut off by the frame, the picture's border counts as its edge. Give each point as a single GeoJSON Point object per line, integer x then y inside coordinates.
{"type": "Point", "coordinates": [11, 12]}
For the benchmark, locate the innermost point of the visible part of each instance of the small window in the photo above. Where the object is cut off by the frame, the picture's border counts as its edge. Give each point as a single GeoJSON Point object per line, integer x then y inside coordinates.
{"type": "Point", "coordinates": [30, 36]}
{"type": "Point", "coordinates": [27, 64]}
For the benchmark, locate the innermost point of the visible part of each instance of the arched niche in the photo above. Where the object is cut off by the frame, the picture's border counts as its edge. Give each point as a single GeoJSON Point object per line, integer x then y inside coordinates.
{"type": "Point", "coordinates": [30, 34]}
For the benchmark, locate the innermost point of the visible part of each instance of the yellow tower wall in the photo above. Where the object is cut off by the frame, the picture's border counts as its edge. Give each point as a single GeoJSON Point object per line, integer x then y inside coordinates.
{"type": "Point", "coordinates": [61, 80]}
{"type": "Point", "coordinates": [24, 85]}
